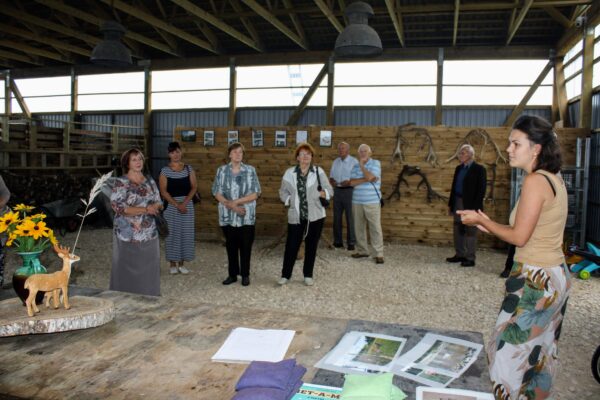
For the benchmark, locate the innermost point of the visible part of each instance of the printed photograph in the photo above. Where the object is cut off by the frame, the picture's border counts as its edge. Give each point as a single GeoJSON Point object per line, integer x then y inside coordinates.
{"type": "Point", "coordinates": [209, 138]}
{"type": "Point", "coordinates": [301, 136]}
{"type": "Point", "coordinates": [188, 136]}
{"type": "Point", "coordinates": [325, 139]}
{"type": "Point", "coordinates": [232, 137]}
{"type": "Point", "coordinates": [448, 356]}
{"type": "Point", "coordinates": [377, 351]}
{"type": "Point", "coordinates": [280, 138]}
{"type": "Point", "coordinates": [257, 138]}
{"type": "Point", "coordinates": [429, 375]}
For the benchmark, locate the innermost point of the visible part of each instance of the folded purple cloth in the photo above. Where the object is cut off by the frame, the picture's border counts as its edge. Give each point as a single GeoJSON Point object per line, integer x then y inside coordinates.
{"type": "Point", "coordinates": [260, 393]}
{"type": "Point", "coordinates": [295, 380]}
{"type": "Point", "coordinates": [263, 374]}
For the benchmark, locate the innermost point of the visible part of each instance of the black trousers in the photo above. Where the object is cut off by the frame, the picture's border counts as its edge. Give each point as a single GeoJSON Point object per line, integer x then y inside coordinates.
{"type": "Point", "coordinates": [342, 203]}
{"type": "Point", "coordinates": [238, 241]}
{"type": "Point", "coordinates": [293, 242]}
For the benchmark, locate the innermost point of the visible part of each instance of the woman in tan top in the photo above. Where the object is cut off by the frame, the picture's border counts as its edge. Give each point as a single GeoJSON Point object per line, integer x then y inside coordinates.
{"type": "Point", "coordinates": [522, 351]}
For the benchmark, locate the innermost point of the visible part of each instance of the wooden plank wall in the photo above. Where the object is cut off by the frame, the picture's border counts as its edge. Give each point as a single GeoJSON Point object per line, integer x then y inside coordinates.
{"type": "Point", "coordinates": [412, 219]}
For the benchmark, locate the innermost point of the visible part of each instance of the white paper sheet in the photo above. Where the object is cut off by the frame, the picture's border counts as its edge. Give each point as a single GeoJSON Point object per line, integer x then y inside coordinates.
{"type": "Point", "coordinates": [427, 393]}
{"type": "Point", "coordinates": [244, 345]}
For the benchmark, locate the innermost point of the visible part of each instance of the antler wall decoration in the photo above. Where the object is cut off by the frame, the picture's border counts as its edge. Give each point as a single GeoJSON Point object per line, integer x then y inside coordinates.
{"type": "Point", "coordinates": [487, 139]}
{"type": "Point", "coordinates": [491, 183]}
{"type": "Point", "coordinates": [409, 170]}
{"type": "Point", "coordinates": [426, 140]}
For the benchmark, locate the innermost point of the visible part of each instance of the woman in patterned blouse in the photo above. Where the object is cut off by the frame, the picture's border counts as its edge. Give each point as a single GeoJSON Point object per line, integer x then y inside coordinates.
{"type": "Point", "coordinates": [136, 255]}
{"type": "Point", "coordinates": [236, 188]}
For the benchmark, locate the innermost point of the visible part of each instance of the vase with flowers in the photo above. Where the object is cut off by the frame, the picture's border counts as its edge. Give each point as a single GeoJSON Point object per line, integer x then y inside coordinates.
{"type": "Point", "coordinates": [29, 236]}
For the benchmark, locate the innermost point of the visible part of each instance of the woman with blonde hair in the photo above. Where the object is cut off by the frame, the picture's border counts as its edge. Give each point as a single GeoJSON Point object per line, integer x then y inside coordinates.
{"type": "Point", "coordinates": [304, 188]}
{"type": "Point", "coordinates": [522, 352]}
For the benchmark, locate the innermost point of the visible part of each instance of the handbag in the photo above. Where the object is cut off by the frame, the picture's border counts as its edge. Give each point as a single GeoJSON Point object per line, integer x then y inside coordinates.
{"type": "Point", "coordinates": [196, 197]}
{"type": "Point", "coordinates": [324, 201]}
{"type": "Point", "coordinates": [161, 225]}
{"type": "Point", "coordinates": [381, 202]}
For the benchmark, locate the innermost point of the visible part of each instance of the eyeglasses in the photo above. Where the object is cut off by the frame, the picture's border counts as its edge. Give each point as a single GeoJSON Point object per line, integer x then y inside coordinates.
{"type": "Point", "coordinates": [304, 154]}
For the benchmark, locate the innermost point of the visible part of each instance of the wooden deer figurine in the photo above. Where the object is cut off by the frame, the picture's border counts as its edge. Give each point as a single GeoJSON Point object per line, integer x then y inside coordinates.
{"type": "Point", "coordinates": [55, 282]}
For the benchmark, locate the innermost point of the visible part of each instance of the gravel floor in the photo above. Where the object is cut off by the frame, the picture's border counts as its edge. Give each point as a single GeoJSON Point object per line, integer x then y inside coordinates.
{"type": "Point", "coordinates": [415, 286]}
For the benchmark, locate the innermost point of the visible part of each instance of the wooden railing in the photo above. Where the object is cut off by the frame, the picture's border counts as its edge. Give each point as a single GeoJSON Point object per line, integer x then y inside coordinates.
{"type": "Point", "coordinates": [31, 145]}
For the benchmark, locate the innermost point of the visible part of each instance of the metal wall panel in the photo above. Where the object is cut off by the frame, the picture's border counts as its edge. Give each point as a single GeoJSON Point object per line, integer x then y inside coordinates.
{"type": "Point", "coordinates": [52, 120]}
{"type": "Point", "coordinates": [573, 109]}
{"type": "Point", "coordinates": [480, 116]}
{"type": "Point", "coordinates": [135, 121]}
{"type": "Point", "coordinates": [383, 116]}
{"type": "Point", "coordinates": [96, 122]}
{"type": "Point", "coordinates": [593, 210]}
{"type": "Point", "coordinates": [596, 111]}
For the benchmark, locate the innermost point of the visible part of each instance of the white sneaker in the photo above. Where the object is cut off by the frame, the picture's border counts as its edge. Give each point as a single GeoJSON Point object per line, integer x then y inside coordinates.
{"type": "Point", "coordinates": [282, 281]}
{"type": "Point", "coordinates": [309, 281]}
{"type": "Point", "coordinates": [183, 270]}
{"type": "Point", "coordinates": [173, 271]}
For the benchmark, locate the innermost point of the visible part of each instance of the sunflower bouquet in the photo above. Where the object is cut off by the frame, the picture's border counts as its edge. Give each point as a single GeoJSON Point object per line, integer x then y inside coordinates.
{"type": "Point", "coordinates": [26, 233]}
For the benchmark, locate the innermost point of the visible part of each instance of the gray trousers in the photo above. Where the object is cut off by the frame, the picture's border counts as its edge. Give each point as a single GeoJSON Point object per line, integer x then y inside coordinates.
{"type": "Point", "coordinates": [342, 203]}
{"type": "Point", "coordinates": [465, 237]}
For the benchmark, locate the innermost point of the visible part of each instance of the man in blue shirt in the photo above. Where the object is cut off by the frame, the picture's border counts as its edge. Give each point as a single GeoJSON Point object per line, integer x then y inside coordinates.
{"type": "Point", "coordinates": [366, 206]}
{"type": "Point", "coordinates": [468, 190]}
{"type": "Point", "coordinates": [339, 177]}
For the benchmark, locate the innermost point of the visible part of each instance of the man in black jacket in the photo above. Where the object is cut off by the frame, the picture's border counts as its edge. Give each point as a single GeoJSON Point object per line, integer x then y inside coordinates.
{"type": "Point", "coordinates": [468, 190]}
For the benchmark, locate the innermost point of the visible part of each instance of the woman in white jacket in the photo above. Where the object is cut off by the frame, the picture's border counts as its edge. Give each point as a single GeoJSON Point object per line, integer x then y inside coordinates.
{"type": "Point", "coordinates": [302, 188]}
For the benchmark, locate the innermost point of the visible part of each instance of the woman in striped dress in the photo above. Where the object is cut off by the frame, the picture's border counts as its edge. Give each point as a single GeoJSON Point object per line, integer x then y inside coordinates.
{"type": "Point", "coordinates": [177, 186]}
{"type": "Point", "coordinates": [522, 352]}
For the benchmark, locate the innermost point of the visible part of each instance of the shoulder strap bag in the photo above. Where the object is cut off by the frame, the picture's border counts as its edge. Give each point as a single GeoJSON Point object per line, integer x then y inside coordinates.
{"type": "Point", "coordinates": [324, 201]}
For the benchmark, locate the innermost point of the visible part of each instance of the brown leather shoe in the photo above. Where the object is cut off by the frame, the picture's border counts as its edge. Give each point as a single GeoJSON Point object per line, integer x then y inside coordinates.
{"type": "Point", "coordinates": [378, 260]}
{"type": "Point", "coordinates": [358, 255]}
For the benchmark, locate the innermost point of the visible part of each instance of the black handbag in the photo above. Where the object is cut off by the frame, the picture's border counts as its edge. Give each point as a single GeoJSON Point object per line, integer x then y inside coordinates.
{"type": "Point", "coordinates": [324, 201]}
{"type": "Point", "coordinates": [161, 225]}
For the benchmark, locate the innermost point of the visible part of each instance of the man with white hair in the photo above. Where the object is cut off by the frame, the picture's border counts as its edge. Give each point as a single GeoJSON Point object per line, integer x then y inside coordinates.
{"type": "Point", "coordinates": [366, 206]}
{"type": "Point", "coordinates": [468, 190]}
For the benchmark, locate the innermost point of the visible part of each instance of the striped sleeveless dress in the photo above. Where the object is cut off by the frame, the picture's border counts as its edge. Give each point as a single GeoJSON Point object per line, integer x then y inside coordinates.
{"type": "Point", "coordinates": [180, 244]}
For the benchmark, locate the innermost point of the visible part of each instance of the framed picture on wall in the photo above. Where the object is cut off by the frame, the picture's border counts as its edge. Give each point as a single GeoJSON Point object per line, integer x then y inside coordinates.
{"type": "Point", "coordinates": [301, 136]}
{"type": "Point", "coordinates": [232, 137]}
{"type": "Point", "coordinates": [209, 138]}
{"type": "Point", "coordinates": [280, 138]}
{"type": "Point", "coordinates": [188, 136]}
{"type": "Point", "coordinates": [325, 139]}
{"type": "Point", "coordinates": [257, 138]}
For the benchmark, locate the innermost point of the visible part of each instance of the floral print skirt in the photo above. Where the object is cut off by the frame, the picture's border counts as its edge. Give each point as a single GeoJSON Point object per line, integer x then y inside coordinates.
{"type": "Point", "coordinates": [522, 351]}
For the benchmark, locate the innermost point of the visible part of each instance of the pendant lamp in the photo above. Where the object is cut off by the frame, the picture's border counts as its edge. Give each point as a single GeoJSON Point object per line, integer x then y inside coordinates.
{"type": "Point", "coordinates": [110, 52]}
{"type": "Point", "coordinates": [358, 39]}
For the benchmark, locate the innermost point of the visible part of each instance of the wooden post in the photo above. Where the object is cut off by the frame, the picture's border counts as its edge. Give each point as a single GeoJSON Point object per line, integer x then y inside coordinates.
{"type": "Point", "coordinates": [330, 121]}
{"type": "Point", "coordinates": [561, 92]}
{"type": "Point", "coordinates": [7, 108]}
{"type": "Point", "coordinates": [74, 100]}
{"type": "Point", "coordinates": [585, 110]}
{"type": "Point", "coordinates": [440, 85]}
{"type": "Point", "coordinates": [232, 92]}
{"type": "Point", "coordinates": [148, 148]}
{"type": "Point", "coordinates": [115, 139]}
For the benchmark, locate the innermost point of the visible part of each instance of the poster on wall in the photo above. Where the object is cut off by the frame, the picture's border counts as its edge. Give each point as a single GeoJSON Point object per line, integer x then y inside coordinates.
{"type": "Point", "coordinates": [188, 136]}
{"type": "Point", "coordinates": [257, 138]}
{"type": "Point", "coordinates": [280, 138]}
{"type": "Point", "coordinates": [232, 137]}
{"type": "Point", "coordinates": [209, 138]}
{"type": "Point", "coordinates": [325, 139]}
{"type": "Point", "coordinates": [301, 136]}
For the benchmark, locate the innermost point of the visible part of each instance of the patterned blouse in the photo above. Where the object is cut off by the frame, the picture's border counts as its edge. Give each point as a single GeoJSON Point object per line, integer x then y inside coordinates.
{"type": "Point", "coordinates": [136, 228]}
{"type": "Point", "coordinates": [233, 187]}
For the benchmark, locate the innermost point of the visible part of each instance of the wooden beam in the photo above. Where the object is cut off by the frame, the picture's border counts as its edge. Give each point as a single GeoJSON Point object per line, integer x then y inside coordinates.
{"type": "Point", "coordinates": [456, 12]}
{"type": "Point", "coordinates": [574, 34]}
{"type": "Point", "coordinates": [18, 57]}
{"type": "Point", "coordinates": [158, 23]}
{"type": "Point", "coordinates": [74, 99]}
{"type": "Point", "coordinates": [7, 108]}
{"type": "Point", "coordinates": [35, 50]}
{"type": "Point", "coordinates": [296, 21]}
{"type": "Point", "coordinates": [148, 112]}
{"type": "Point", "coordinates": [558, 17]}
{"type": "Point", "coordinates": [19, 15]}
{"type": "Point", "coordinates": [327, 11]}
{"type": "Point", "coordinates": [519, 20]}
{"type": "Point", "coordinates": [293, 120]}
{"type": "Point", "coordinates": [330, 117]}
{"type": "Point", "coordinates": [97, 20]}
{"type": "Point", "coordinates": [585, 105]}
{"type": "Point", "coordinates": [13, 30]}
{"type": "Point", "coordinates": [208, 34]}
{"type": "Point", "coordinates": [266, 14]}
{"type": "Point", "coordinates": [232, 93]}
{"type": "Point", "coordinates": [521, 106]}
{"type": "Point", "coordinates": [247, 23]}
{"type": "Point", "coordinates": [15, 89]}
{"type": "Point", "coordinates": [396, 17]}
{"type": "Point", "coordinates": [439, 87]}
{"type": "Point", "coordinates": [217, 23]}
{"type": "Point", "coordinates": [560, 90]}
